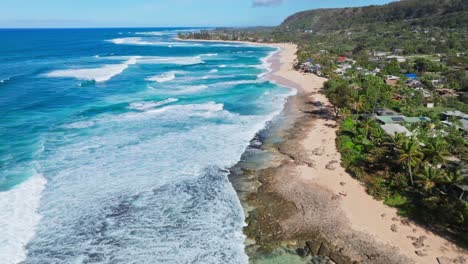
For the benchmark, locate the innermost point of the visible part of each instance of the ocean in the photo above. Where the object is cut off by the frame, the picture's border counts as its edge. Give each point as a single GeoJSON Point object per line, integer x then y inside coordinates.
{"type": "Point", "coordinates": [115, 144]}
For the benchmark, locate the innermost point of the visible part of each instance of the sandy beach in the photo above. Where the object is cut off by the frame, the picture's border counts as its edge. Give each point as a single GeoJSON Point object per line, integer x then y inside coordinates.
{"type": "Point", "coordinates": [317, 166]}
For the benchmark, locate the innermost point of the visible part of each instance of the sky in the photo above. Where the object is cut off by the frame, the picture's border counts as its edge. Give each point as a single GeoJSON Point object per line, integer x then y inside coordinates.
{"type": "Point", "coordinates": [158, 13]}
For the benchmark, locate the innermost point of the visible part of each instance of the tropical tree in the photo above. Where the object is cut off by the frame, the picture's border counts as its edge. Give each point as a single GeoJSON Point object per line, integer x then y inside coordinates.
{"type": "Point", "coordinates": [429, 177]}
{"type": "Point", "coordinates": [435, 150]}
{"type": "Point", "coordinates": [394, 142]}
{"type": "Point", "coordinates": [339, 94]}
{"type": "Point", "coordinates": [410, 154]}
{"type": "Point", "coordinates": [455, 177]}
{"type": "Point", "coordinates": [378, 135]}
{"type": "Point", "coordinates": [361, 104]}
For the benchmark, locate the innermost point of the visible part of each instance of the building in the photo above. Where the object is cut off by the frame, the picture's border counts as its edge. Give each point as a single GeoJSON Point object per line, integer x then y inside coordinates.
{"type": "Point", "coordinates": [392, 129]}
{"type": "Point", "coordinates": [414, 83]}
{"type": "Point", "coordinates": [453, 114]}
{"type": "Point", "coordinates": [392, 80]}
{"type": "Point", "coordinates": [399, 119]}
{"type": "Point", "coordinates": [385, 112]}
{"type": "Point", "coordinates": [397, 58]}
{"type": "Point", "coordinates": [446, 92]}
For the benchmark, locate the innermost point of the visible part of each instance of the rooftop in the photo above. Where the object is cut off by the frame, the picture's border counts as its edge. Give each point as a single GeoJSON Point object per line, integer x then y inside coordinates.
{"type": "Point", "coordinates": [392, 129]}
{"type": "Point", "coordinates": [395, 119]}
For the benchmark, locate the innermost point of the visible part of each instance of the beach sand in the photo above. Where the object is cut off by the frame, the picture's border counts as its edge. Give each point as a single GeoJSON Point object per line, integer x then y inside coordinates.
{"type": "Point", "coordinates": [362, 215]}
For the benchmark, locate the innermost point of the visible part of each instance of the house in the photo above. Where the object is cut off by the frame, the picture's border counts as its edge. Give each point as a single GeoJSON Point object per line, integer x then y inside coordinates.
{"type": "Point", "coordinates": [453, 114]}
{"type": "Point", "coordinates": [414, 83]}
{"type": "Point", "coordinates": [385, 112]}
{"type": "Point", "coordinates": [397, 58]}
{"type": "Point", "coordinates": [425, 93]}
{"type": "Point", "coordinates": [392, 129]}
{"type": "Point", "coordinates": [391, 82]}
{"type": "Point", "coordinates": [398, 119]}
{"type": "Point", "coordinates": [446, 92]}
{"type": "Point", "coordinates": [380, 54]}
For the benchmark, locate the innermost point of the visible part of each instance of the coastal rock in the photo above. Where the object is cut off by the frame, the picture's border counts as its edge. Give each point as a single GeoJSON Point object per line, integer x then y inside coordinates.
{"type": "Point", "coordinates": [318, 151]}
{"type": "Point", "coordinates": [421, 253]}
{"type": "Point", "coordinates": [444, 260]}
{"type": "Point", "coordinates": [332, 165]}
{"type": "Point", "coordinates": [418, 244]}
{"type": "Point", "coordinates": [459, 260]}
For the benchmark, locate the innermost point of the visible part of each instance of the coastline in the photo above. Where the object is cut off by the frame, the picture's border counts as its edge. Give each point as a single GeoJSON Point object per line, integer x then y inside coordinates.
{"type": "Point", "coordinates": [304, 201]}
{"type": "Point", "coordinates": [317, 185]}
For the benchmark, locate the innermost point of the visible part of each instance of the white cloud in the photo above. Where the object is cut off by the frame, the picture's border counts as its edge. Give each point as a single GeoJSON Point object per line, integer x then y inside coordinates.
{"type": "Point", "coordinates": [257, 3]}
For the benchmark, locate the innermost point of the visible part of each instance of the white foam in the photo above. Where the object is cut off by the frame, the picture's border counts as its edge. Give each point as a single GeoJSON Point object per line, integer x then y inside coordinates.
{"type": "Point", "coordinates": [266, 64]}
{"type": "Point", "coordinates": [170, 60]}
{"type": "Point", "coordinates": [152, 33]}
{"type": "Point", "coordinates": [138, 41]}
{"type": "Point", "coordinates": [191, 109]}
{"type": "Point", "coordinates": [213, 71]}
{"type": "Point", "coordinates": [79, 125]}
{"type": "Point", "coordinates": [165, 77]}
{"type": "Point", "coordinates": [222, 66]}
{"type": "Point", "coordinates": [101, 74]}
{"type": "Point", "coordinates": [190, 89]}
{"type": "Point", "coordinates": [142, 106]}
{"type": "Point", "coordinates": [19, 218]}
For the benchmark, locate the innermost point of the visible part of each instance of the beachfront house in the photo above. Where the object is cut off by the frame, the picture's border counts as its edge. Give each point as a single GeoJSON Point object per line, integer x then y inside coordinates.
{"type": "Point", "coordinates": [446, 92]}
{"type": "Point", "coordinates": [453, 114]}
{"type": "Point", "coordinates": [462, 118]}
{"type": "Point", "coordinates": [392, 80]}
{"type": "Point", "coordinates": [400, 59]}
{"type": "Point", "coordinates": [414, 83]}
{"type": "Point", "coordinates": [392, 129]}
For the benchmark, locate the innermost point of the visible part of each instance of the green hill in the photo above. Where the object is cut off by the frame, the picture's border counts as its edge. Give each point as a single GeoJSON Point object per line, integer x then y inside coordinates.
{"type": "Point", "coordinates": [441, 13]}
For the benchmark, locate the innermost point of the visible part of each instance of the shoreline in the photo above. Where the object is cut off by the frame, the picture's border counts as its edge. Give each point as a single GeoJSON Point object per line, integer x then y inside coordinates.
{"type": "Point", "coordinates": [302, 199]}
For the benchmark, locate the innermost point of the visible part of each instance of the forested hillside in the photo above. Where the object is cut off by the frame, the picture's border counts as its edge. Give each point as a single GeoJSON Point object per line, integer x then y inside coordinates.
{"type": "Point", "coordinates": [442, 13]}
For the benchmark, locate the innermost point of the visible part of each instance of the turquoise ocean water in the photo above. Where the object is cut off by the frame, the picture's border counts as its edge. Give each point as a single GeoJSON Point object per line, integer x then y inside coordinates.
{"type": "Point", "coordinates": [114, 145]}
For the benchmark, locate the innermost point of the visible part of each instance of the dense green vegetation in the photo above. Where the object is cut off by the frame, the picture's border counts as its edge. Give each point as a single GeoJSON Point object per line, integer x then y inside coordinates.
{"type": "Point", "coordinates": [445, 13]}
{"type": "Point", "coordinates": [412, 173]}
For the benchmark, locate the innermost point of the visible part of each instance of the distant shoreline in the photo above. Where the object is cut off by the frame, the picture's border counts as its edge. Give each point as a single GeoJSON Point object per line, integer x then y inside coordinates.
{"type": "Point", "coordinates": [309, 197]}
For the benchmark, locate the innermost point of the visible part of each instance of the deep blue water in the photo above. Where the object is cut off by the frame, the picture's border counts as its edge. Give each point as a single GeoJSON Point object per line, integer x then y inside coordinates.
{"type": "Point", "coordinates": [114, 145]}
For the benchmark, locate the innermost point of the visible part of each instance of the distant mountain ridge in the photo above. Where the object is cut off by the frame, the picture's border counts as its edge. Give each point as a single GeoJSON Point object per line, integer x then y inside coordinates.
{"type": "Point", "coordinates": [441, 13]}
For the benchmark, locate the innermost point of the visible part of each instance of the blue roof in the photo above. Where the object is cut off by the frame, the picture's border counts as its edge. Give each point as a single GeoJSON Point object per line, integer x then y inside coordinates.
{"type": "Point", "coordinates": [411, 76]}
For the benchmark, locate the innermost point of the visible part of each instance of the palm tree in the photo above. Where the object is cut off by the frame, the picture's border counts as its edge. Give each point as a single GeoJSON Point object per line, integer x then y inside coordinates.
{"type": "Point", "coordinates": [409, 152]}
{"type": "Point", "coordinates": [396, 140]}
{"type": "Point", "coordinates": [429, 177]}
{"type": "Point", "coordinates": [435, 151]}
{"type": "Point", "coordinates": [378, 135]}
{"type": "Point", "coordinates": [454, 177]}
{"type": "Point", "coordinates": [361, 104]}
{"type": "Point", "coordinates": [367, 126]}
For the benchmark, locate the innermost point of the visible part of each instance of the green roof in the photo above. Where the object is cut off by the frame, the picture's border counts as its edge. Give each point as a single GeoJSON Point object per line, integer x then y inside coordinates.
{"type": "Point", "coordinates": [401, 119]}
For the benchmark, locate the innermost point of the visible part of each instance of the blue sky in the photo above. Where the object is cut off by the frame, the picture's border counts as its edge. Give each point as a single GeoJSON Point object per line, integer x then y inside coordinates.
{"type": "Point", "coordinates": [157, 13]}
